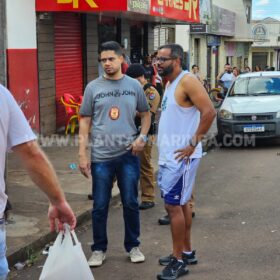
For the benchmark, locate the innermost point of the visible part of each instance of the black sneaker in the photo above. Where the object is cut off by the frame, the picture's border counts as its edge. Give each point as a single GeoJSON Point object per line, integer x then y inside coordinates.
{"type": "Point", "coordinates": [174, 270]}
{"type": "Point", "coordinates": [146, 205]}
{"type": "Point", "coordinates": [188, 259]}
{"type": "Point", "coordinates": [164, 220]}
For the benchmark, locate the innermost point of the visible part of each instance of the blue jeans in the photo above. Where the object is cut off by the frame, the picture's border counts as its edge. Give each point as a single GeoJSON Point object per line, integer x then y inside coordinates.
{"type": "Point", "coordinates": [4, 269]}
{"type": "Point", "coordinates": [127, 170]}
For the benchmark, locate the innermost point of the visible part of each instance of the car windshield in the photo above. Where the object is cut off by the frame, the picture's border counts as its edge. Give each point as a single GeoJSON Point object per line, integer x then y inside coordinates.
{"type": "Point", "coordinates": [256, 86]}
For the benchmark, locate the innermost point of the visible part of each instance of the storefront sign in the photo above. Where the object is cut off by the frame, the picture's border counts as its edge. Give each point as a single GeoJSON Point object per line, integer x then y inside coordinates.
{"type": "Point", "coordinates": [198, 28]}
{"type": "Point", "coordinates": [80, 5]}
{"type": "Point", "coordinates": [259, 33]}
{"type": "Point", "coordinates": [181, 10]}
{"type": "Point", "coordinates": [223, 22]}
{"type": "Point", "coordinates": [184, 10]}
{"type": "Point", "coordinates": [139, 6]}
{"type": "Point", "coordinates": [213, 41]}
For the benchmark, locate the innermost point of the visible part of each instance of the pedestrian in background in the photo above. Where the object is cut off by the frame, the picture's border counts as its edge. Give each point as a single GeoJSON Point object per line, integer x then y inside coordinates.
{"type": "Point", "coordinates": [187, 114]}
{"type": "Point", "coordinates": [247, 69]}
{"type": "Point", "coordinates": [109, 108]}
{"type": "Point", "coordinates": [236, 73]}
{"type": "Point", "coordinates": [147, 179]}
{"type": "Point", "coordinates": [149, 69]}
{"type": "Point", "coordinates": [225, 78]}
{"type": "Point", "coordinates": [196, 72]}
{"type": "Point", "coordinates": [16, 134]}
{"type": "Point", "coordinates": [257, 68]}
{"type": "Point", "coordinates": [126, 57]}
{"type": "Point", "coordinates": [158, 79]}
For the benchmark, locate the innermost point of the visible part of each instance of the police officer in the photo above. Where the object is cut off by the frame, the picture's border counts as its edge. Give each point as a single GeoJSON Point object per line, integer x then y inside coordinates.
{"type": "Point", "coordinates": [147, 180]}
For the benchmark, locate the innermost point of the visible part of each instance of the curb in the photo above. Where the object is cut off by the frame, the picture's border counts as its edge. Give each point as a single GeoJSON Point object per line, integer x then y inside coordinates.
{"type": "Point", "coordinates": [37, 245]}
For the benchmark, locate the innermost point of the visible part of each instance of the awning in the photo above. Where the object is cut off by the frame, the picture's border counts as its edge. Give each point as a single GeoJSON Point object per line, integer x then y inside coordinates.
{"type": "Point", "coordinates": [159, 10]}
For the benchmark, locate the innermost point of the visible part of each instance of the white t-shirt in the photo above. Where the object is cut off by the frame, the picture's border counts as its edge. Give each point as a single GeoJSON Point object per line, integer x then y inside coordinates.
{"type": "Point", "coordinates": [14, 130]}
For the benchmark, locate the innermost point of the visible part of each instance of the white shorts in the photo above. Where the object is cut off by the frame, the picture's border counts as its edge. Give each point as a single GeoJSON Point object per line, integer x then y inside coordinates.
{"type": "Point", "coordinates": [176, 184]}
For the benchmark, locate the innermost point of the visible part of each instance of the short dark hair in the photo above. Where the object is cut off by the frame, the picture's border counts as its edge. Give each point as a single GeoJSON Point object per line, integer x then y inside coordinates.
{"type": "Point", "coordinates": [135, 70]}
{"type": "Point", "coordinates": [111, 46]}
{"type": "Point", "coordinates": [176, 51]}
{"type": "Point", "coordinates": [194, 66]}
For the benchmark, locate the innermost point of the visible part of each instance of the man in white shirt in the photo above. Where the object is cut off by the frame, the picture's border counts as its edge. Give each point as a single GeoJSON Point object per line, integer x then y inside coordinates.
{"type": "Point", "coordinates": [16, 134]}
{"type": "Point", "coordinates": [226, 78]}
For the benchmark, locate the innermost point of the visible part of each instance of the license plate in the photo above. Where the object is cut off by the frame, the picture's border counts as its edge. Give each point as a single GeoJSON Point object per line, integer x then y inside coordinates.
{"type": "Point", "coordinates": [254, 128]}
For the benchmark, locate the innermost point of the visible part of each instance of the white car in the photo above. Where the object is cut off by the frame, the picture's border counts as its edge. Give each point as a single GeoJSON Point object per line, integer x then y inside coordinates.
{"type": "Point", "coordinates": [251, 107]}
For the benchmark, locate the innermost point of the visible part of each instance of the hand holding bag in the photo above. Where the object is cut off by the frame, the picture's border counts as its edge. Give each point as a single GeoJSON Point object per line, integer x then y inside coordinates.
{"type": "Point", "coordinates": [66, 260]}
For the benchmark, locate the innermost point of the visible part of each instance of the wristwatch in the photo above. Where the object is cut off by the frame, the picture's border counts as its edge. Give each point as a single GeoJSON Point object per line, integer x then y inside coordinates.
{"type": "Point", "coordinates": [143, 137]}
{"type": "Point", "coordinates": [193, 143]}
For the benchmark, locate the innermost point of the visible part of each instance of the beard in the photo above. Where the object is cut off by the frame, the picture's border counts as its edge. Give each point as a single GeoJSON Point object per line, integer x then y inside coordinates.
{"type": "Point", "coordinates": [111, 71]}
{"type": "Point", "coordinates": [166, 71]}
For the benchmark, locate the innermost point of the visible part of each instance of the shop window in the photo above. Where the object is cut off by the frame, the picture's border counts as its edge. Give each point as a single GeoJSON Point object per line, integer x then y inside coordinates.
{"type": "Point", "coordinates": [239, 62]}
{"type": "Point", "coordinates": [136, 43]}
{"type": "Point", "coordinates": [229, 60]}
{"type": "Point", "coordinates": [106, 30]}
{"type": "Point", "coordinates": [163, 35]}
{"type": "Point", "coordinates": [248, 14]}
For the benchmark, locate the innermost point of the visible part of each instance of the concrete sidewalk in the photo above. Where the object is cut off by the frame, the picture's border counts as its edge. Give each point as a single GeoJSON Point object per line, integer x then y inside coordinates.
{"type": "Point", "coordinates": [28, 229]}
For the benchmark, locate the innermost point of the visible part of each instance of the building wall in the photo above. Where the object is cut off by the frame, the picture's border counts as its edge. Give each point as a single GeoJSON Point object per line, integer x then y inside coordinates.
{"type": "Point", "coordinates": [22, 68]}
{"type": "Point", "coordinates": [182, 36]}
{"type": "Point", "coordinates": [2, 43]}
{"type": "Point", "coordinates": [273, 33]}
{"type": "Point", "coordinates": [92, 47]}
{"type": "Point", "coordinates": [271, 43]}
{"type": "Point", "coordinates": [242, 28]}
{"type": "Point", "coordinates": [47, 98]}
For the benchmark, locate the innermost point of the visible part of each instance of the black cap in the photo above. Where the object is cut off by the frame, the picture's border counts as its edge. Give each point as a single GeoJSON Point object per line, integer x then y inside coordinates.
{"type": "Point", "coordinates": [135, 70]}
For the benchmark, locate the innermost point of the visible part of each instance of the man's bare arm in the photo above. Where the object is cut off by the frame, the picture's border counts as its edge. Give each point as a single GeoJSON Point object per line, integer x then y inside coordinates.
{"type": "Point", "coordinates": [145, 122]}
{"type": "Point", "coordinates": [199, 97]}
{"type": "Point", "coordinates": [219, 76]}
{"type": "Point", "coordinates": [43, 175]}
{"type": "Point", "coordinates": [194, 91]}
{"type": "Point", "coordinates": [84, 128]}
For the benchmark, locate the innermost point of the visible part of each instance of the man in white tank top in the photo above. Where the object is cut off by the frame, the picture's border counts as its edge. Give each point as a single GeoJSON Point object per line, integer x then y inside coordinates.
{"type": "Point", "coordinates": [187, 114]}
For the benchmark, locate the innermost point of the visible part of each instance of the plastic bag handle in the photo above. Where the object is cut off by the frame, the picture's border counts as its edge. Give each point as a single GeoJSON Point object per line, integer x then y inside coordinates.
{"type": "Point", "coordinates": [74, 237]}
{"type": "Point", "coordinates": [72, 233]}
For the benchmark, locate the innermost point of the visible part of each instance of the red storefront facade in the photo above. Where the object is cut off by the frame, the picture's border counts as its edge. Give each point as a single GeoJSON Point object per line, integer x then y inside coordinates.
{"type": "Point", "coordinates": [69, 32]}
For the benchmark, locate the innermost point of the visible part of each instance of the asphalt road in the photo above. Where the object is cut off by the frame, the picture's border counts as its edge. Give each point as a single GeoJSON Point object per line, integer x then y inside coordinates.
{"type": "Point", "coordinates": [236, 231]}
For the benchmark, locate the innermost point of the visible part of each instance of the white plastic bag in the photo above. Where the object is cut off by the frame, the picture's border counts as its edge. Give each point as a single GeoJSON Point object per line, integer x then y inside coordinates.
{"type": "Point", "coordinates": [66, 260]}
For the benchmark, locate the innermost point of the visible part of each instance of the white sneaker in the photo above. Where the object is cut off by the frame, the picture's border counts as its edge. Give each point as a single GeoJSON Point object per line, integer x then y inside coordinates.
{"type": "Point", "coordinates": [136, 256]}
{"type": "Point", "coordinates": [97, 258]}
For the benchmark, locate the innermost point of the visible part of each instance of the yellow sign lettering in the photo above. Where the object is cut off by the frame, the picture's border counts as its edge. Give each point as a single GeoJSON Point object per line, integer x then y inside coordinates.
{"type": "Point", "coordinates": [191, 6]}
{"type": "Point", "coordinates": [91, 3]}
{"type": "Point", "coordinates": [187, 5]}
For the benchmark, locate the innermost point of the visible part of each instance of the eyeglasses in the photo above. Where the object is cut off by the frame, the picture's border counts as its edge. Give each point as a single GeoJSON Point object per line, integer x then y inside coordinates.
{"type": "Point", "coordinates": [162, 59]}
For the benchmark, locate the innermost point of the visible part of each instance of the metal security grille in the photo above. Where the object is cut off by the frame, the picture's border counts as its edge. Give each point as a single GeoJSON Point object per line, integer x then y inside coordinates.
{"type": "Point", "coordinates": [68, 60]}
